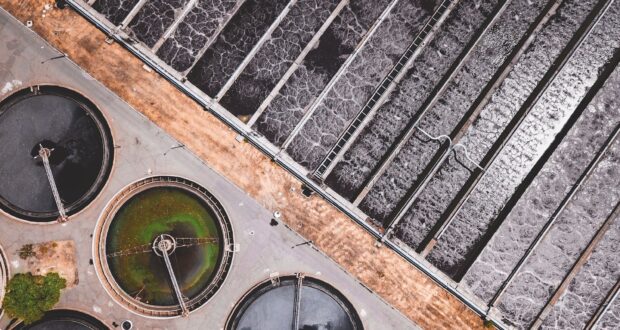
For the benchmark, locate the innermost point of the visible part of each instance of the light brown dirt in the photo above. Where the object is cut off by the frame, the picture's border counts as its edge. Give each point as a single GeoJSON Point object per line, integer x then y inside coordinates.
{"type": "Point", "coordinates": [54, 257]}
{"type": "Point", "coordinates": [380, 269]}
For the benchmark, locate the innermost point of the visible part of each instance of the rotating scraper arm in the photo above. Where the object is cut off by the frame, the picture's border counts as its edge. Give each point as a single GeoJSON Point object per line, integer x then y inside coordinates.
{"type": "Point", "coordinates": [163, 246]}
{"type": "Point", "coordinates": [45, 154]}
{"type": "Point", "coordinates": [175, 284]}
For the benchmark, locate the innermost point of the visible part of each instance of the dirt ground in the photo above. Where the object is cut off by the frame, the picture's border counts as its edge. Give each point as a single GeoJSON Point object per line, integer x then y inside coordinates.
{"type": "Point", "coordinates": [52, 257]}
{"type": "Point", "coordinates": [380, 269]}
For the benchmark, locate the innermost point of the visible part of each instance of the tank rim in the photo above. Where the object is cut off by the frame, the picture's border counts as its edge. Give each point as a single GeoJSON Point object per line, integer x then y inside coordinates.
{"type": "Point", "coordinates": [217, 278]}
{"type": "Point", "coordinates": [107, 159]}
{"type": "Point", "coordinates": [262, 287]}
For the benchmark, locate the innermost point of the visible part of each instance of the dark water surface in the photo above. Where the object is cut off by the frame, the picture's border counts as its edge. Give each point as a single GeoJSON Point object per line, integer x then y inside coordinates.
{"type": "Point", "coordinates": [65, 320]}
{"type": "Point", "coordinates": [272, 307]}
{"type": "Point", "coordinates": [57, 121]}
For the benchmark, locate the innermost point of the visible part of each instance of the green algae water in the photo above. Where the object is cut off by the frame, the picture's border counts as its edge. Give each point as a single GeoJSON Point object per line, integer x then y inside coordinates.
{"type": "Point", "coordinates": [148, 214]}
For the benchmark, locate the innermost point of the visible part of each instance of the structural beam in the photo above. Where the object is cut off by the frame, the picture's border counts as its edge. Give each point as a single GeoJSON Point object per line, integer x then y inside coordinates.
{"type": "Point", "coordinates": [489, 90]}
{"type": "Point", "coordinates": [384, 89]}
{"type": "Point", "coordinates": [167, 246]}
{"type": "Point", "coordinates": [585, 176]}
{"type": "Point", "coordinates": [611, 297]}
{"type": "Point", "coordinates": [212, 39]}
{"type": "Point", "coordinates": [339, 73]}
{"type": "Point", "coordinates": [190, 5]}
{"type": "Point", "coordinates": [266, 36]}
{"type": "Point", "coordinates": [583, 258]}
{"type": "Point", "coordinates": [45, 154]}
{"type": "Point", "coordinates": [297, 62]}
{"type": "Point", "coordinates": [297, 301]}
{"type": "Point", "coordinates": [577, 40]}
{"type": "Point", "coordinates": [132, 14]}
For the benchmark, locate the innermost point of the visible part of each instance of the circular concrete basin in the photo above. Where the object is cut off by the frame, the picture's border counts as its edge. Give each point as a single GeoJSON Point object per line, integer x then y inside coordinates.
{"type": "Point", "coordinates": [64, 320]}
{"type": "Point", "coordinates": [163, 246]}
{"type": "Point", "coordinates": [294, 302]}
{"type": "Point", "coordinates": [80, 148]}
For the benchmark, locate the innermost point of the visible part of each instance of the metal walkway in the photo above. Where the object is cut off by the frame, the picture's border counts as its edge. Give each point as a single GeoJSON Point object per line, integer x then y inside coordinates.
{"type": "Point", "coordinates": [166, 246]}
{"type": "Point", "coordinates": [44, 154]}
{"type": "Point", "coordinates": [297, 306]}
{"type": "Point", "coordinates": [147, 248]}
{"type": "Point", "coordinates": [420, 40]}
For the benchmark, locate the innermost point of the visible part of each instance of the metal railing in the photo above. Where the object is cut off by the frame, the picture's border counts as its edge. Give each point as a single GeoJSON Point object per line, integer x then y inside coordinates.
{"type": "Point", "coordinates": [45, 154]}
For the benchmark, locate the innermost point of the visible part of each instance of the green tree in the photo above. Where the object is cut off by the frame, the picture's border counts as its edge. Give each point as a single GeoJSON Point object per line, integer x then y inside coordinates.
{"type": "Point", "coordinates": [29, 296]}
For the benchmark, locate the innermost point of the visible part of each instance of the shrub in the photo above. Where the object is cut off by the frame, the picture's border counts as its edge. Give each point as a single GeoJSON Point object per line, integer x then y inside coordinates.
{"type": "Point", "coordinates": [26, 251]}
{"type": "Point", "coordinates": [29, 296]}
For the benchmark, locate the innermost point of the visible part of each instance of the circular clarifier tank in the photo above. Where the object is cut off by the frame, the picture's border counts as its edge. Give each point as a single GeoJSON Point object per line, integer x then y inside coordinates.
{"type": "Point", "coordinates": [294, 302]}
{"type": "Point", "coordinates": [4, 278]}
{"type": "Point", "coordinates": [67, 129]}
{"type": "Point", "coordinates": [64, 320]}
{"type": "Point", "coordinates": [163, 246]}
